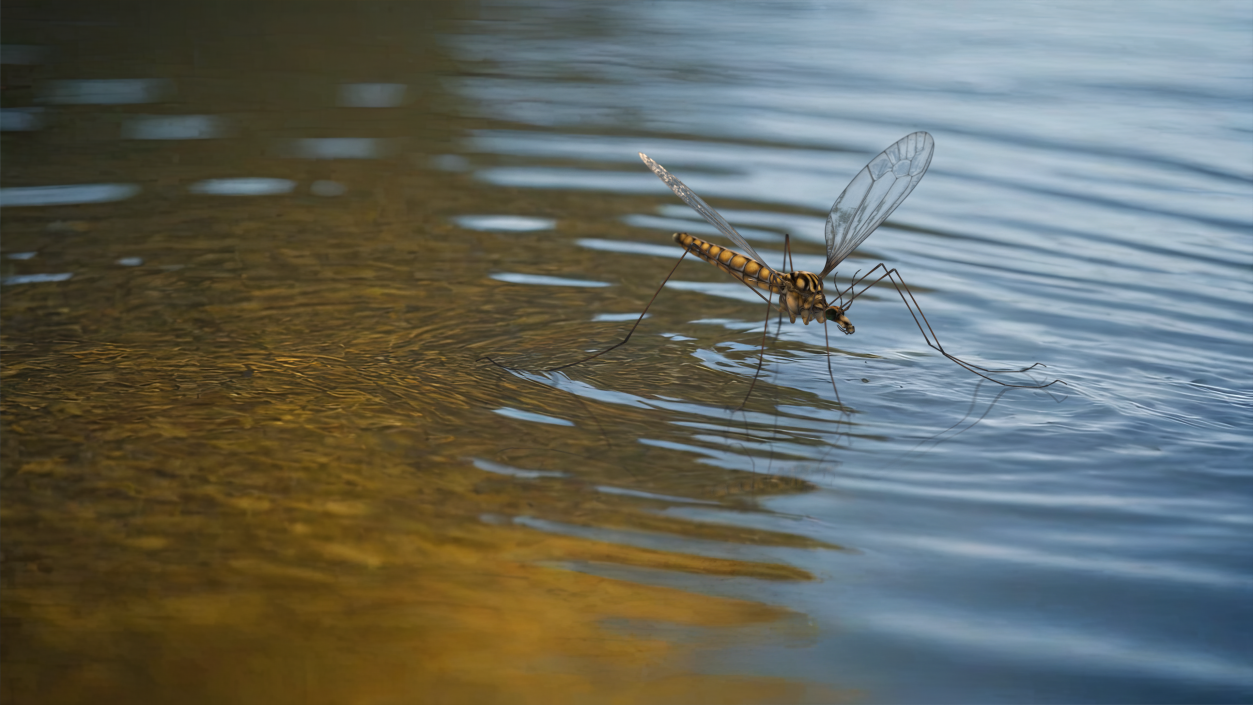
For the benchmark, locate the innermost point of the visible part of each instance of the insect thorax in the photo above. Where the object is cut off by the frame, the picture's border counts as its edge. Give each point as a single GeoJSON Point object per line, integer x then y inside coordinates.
{"type": "Point", "coordinates": [802, 296]}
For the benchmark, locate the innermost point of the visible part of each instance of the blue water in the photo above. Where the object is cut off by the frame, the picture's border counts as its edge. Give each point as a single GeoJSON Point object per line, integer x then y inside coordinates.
{"type": "Point", "coordinates": [1089, 206]}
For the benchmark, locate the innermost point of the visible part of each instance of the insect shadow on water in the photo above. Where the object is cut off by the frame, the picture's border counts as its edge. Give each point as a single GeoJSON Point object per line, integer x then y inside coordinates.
{"type": "Point", "coordinates": [752, 443]}
{"type": "Point", "coordinates": [960, 426]}
{"type": "Point", "coordinates": [732, 436]}
{"type": "Point", "coordinates": [872, 195]}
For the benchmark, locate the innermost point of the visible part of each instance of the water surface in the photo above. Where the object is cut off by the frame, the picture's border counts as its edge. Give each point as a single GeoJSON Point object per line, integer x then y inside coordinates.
{"type": "Point", "coordinates": [253, 256]}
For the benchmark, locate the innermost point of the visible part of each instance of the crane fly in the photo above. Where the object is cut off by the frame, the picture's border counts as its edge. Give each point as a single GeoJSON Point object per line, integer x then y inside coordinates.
{"type": "Point", "coordinates": [865, 203]}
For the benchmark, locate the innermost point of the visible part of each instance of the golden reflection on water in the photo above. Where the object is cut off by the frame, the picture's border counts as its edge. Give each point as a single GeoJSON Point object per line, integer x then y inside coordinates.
{"type": "Point", "coordinates": [239, 471]}
{"type": "Point", "coordinates": [223, 488]}
{"type": "Point", "coordinates": [242, 481]}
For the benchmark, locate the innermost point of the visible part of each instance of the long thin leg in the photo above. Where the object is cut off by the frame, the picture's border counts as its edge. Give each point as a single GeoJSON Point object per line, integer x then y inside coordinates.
{"type": "Point", "coordinates": [826, 332]}
{"type": "Point", "coordinates": [774, 431]}
{"type": "Point", "coordinates": [924, 326]}
{"type": "Point", "coordinates": [611, 347]}
{"type": "Point", "coordinates": [761, 355]}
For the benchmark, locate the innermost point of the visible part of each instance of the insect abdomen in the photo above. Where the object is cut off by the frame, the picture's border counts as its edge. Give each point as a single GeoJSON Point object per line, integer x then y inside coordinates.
{"type": "Point", "coordinates": [746, 269]}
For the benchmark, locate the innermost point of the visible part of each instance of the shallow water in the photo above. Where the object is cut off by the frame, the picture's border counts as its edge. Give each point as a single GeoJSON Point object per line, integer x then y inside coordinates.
{"type": "Point", "coordinates": [252, 258]}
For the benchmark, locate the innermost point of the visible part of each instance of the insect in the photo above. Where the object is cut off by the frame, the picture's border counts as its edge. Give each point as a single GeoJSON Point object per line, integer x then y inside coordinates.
{"type": "Point", "coordinates": [872, 195]}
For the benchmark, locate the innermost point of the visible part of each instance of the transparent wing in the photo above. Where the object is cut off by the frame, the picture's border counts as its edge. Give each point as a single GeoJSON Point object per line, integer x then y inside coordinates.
{"type": "Point", "coordinates": [874, 193]}
{"type": "Point", "coordinates": [701, 207]}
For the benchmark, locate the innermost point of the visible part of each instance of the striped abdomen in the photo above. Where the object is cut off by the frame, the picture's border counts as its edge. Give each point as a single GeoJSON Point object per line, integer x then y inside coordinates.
{"type": "Point", "coordinates": [744, 268]}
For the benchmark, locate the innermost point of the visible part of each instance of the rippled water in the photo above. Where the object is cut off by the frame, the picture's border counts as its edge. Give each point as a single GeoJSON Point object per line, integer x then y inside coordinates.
{"type": "Point", "coordinates": [253, 258]}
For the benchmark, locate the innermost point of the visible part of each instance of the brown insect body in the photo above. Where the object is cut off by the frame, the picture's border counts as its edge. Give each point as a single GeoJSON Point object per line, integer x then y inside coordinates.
{"type": "Point", "coordinates": [800, 293]}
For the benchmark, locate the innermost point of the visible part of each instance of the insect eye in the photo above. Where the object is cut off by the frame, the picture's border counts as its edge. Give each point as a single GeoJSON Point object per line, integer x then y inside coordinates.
{"type": "Point", "coordinates": [833, 314]}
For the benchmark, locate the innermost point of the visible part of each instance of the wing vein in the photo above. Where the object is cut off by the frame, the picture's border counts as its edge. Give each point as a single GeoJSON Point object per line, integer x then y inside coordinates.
{"type": "Point", "coordinates": [871, 196]}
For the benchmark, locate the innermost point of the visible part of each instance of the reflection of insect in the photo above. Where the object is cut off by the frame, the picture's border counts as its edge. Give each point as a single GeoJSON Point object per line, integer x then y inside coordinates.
{"type": "Point", "coordinates": [866, 202]}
